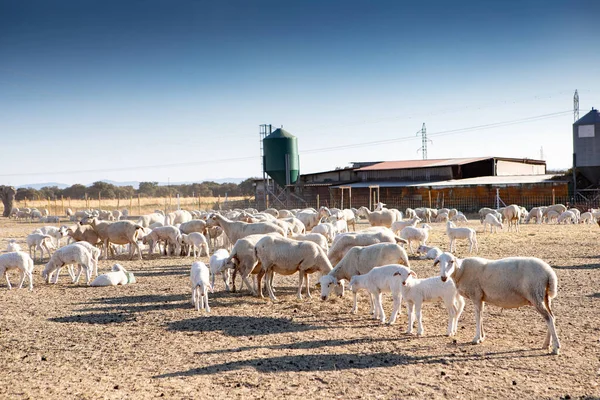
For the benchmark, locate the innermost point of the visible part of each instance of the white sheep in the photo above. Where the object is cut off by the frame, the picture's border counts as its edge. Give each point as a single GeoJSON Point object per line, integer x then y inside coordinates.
{"type": "Point", "coordinates": [568, 216]}
{"type": "Point", "coordinates": [169, 234]}
{"type": "Point", "coordinates": [200, 279]}
{"type": "Point", "coordinates": [326, 229]}
{"type": "Point", "coordinates": [534, 213]}
{"type": "Point", "coordinates": [459, 217]}
{"type": "Point", "coordinates": [412, 234]}
{"type": "Point", "coordinates": [384, 217]}
{"type": "Point", "coordinates": [346, 241]}
{"type": "Point", "coordinates": [117, 276]}
{"type": "Point", "coordinates": [377, 281]}
{"type": "Point", "coordinates": [17, 260]}
{"type": "Point", "coordinates": [507, 283]}
{"type": "Point", "coordinates": [586, 218]}
{"type": "Point", "coordinates": [313, 237]}
{"type": "Point", "coordinates": [218, 265]}
{"type": "Point", "coordinates": [13, 246]}
{"type": "Point", "coordinates": [491, 220]}
{"type": "Point", "coordinates": [70, 254]}
{"type": "Point", "coordinates": [235, 230]}
{"type": "Point", "coordinates": [512, 216]}
{"type": "Point", "coordinates": [461, 233]}
{"type": "Point", "coordinates": [195, 240]}
{"type": "Point", "coordinates": [429, 253]}
{"type": "Point", "coordinates": [551, 216]}
{"type": "Point", "coordinates": [397, 226]}
{"type": "Point", "coordinates": [416, 291]}
{"type": "Point", "coordinates": [40, 242]}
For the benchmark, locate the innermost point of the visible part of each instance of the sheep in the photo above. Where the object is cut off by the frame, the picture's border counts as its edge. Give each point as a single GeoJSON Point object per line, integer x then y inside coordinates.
{"type": "Point", "coordinates": [377, 281]}
{"type": "Point", "coordinates": [359, 260]}
{"type": "Point", "coordinates": [235, 230]}
{"type": "Point", "coordinates": [340, 226]}
{"type": "Point", "coordinates": [459, 217]}
{"type": "Point", "coordinates": [117, 215]}
{"type": "Point", "coordinates": [587, 218]}
{"type": "Point", "coordinates": [199, 277]}
{"type": "Point", "coordinates": [213, 233]}
{"type": "Point", "coordinates": [410, 213]}
{"type": "Point", "coordinates": [569, 216]}
{"type": "Point", "coordinates": [558, 208]}
{"type": "Point", "coordinates": [313, 237]}
{"type": "Point", "coordinates": [379, 218]}
{"type": "Point", "coordinates": [416, 291]}
{"type": "Point", "coordinates": [507, 283]}
{"type": "Point", "coordinates": [552, 216]}
{"type": "Point", "coordinates": [512, 215]}
{"type": "Point", "coordinates": [17, 260]}
{"type": "Point", "coordinates": [397, 226]}
{"type": "Point", "coordinates": [286, 256]}
{"type": "Point", "coordinates": [243, 259]}
{"type": "Point", "coordinates": [425, 214]}
{"type": "Point", "coordinates": [218, 264]}
{"type": "Point", "coordinates": [119, 232]}
{"type": "Point", "coordinates": [453, 212]}
{"type": "Point", "coordinates": [117, 276]}
{"type": "Point", "coordinates": [483, 212]}
{"type": "Point", "coordinates": [169, 234]}
{"type": "Point", "coordinates": [70, 254]}
{"type": "Point", "coordinates": [146, 220]}
{"type": "Point", "coordinates": [442, 217]}
{"type": "Point", "coordinates": [348, 240]}
{"type": "Point", "coordinates": [178, 217]}
{"type": "Point", "coordinates": [272, 211]}
{"type": "Point", "coordinates": [56, 233]}
{"type": "Point", "coordinates": [195, 240]}
{"type": "Point", "coordinates": [430, 253]}
{"type": "Point", "coordinates": [155, 225]}
{"type": "Point", "coordinates": [326, 229]}
{"type": "Point", "coordinates": [534, 213]}
{"type": "Point", "coordinates": [38, 241]}
{"type": "Point", "coordinates": [311, 218]}
{"type": "Point", "coordinates": [461, 233]}
{"type": "Point", "coordinates": [296, 225]}
{"type": "Point", "coordinates": [491, 220]}
{"type": "Point", "coordinates": [13, 246]}
{"type": "Point", "coordinates": [285, 214]}
{"type": "Point", "coordinates": [83, 233]}
{"type": "Point", "coordinates": [411, 234]}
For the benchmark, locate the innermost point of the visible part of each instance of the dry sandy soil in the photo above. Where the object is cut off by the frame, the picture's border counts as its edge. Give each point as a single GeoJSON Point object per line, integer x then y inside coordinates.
{"type": "Point", "coordinates": [145, 340]}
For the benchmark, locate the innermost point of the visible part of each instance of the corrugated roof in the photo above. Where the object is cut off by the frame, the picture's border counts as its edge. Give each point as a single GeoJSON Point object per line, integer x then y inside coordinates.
{"type": "Point", "coordinates": [482, 180]}
{"type": "Point", "coordinates": [440, 162]}
{"type": "Point", "coordinates": [593, 117]}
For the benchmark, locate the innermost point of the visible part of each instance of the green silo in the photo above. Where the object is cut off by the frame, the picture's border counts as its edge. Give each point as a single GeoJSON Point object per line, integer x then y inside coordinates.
{"type": "Point", "coordinates": [280, 146]}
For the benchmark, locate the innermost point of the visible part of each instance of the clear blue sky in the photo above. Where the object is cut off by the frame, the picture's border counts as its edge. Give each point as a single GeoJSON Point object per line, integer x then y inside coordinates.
{"type": "Point", "coordinates": [104, 88]}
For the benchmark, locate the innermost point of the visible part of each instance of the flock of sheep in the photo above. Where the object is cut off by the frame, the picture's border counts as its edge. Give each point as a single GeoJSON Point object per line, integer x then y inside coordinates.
{"type": "Point", "coordinates": [308, 241]}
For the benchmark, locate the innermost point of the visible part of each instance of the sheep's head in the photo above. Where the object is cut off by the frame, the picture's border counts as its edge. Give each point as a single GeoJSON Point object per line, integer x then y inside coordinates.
{"type": "Point", "coordinates": [404, 273]}
{"type": "Point", "coordinates": [447, 263]}
{"type": "Point", "coordinates": [422, 249]}
{"type": "Point", "coordinates": [328, 283]}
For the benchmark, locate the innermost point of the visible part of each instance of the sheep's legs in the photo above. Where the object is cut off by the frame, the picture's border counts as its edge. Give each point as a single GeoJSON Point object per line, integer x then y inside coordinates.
{"type": "Point", "coordinates": [205, 298]}
{"type": "Point", "coordinates": [379, 311]}
{"type": "Point", "coordinates": [410, 310]}
{"type": "Point", "coordinates": [225, 275]}
{"type": "Point", "coordinates": [7, 280]}
{"type": "Point", "coordinates": [268, 283]}
{"type": "Point", "coordinates": [419, 308]}
{"type": "Point", "coordinates": [307, 285]}
{"type": "Point", "coordinates": [397, 301]}
{"type": "Point", "coordinates": [479, 306]}
{"type": "Point", "coordinates": [551, 334]}
{"type": "Point", "coordinates": [355, 307]}
{"type": "Point", "coordinates": [301, 281]}
{"type": "Point", "coordinates": [23, 273]}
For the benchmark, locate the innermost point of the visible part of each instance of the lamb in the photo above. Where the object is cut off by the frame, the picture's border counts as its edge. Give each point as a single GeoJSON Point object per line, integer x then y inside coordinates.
{"type": "Point", "coordinates": [551, 216]}
{"type": "Point", "coordinates": [340, 226]}
{"type": "Point", "coordinates": [534, 213]}
{"type": "Point", "coordinates": [286, 256]}
{"type": "Point", "coordinates": [235, 230]}
{"type": "Point", "coordinates": [442, 217]}
{"type": "Point", "coordinates": [38, 241]}
{"type": "Point", "coordinates": [17, 260]}
{"type": "Point", "coordinates": [377, 281]}
{"type": "Point", "coordinates": [483, 212]}
{"type": "Point", "coordinates": [311, 218]}
{"type": "Point", "coordinates": [117, 276]}
{"type": "Point", "coordinates": [416, 291]}
{"type": "Point", "coordinates": [13, 246]}
{"type": "Point", "coordinates": [512, 215]}
{"type": "Point", "coordinates": [348, 240]}
{"type": "Point", "coordinates": [146, 220]}
{"type": "Point", "coordinates": [119, 232]}
{"type": "Point", "coordinates": [491, 220]}
{"type": "Point", "coordinates": [397, 226]}
{"type": "Point", "coordinates": [508, 283]}
{"type": "Point", "coordinates": [410, 213]}
{"type": "Point", "coordinates": [213, 233]}
{"type": "Point", "coordinates": [94, 251]}
{"type": "Point", "coordinates": [587, 218]}
{"type": "Point", "coordinates": [430, 253]}
{"type": "Point", "coordinates": [425, 214]}
{"type": "Point", "coordinates": [199, 277]}
{"type": "Point", "coordinates": [178, 217]}
{"type": "Point", "coordinates": [56, 233]}
{"type": "Point", "coordinates": [411, 234]}
{"type": "Point", "coordinates": [326, 229]}
{"type": "Point", "coordinates": [568, 216]}
{"type": "Point", "coordinates": [359, 260]}
{"type": "Point", "coordinates": [218, 264]}
{"type": "Point", "coordinates": [461, 233]}
{"type": "Point", "coordinates": [195, 240]}
{"type": "Point", "coordinates": [459, 217]}
{"type": "Point", "coordinates": [379, 218]}
{"type": "Point", "coordinates": [558, 208]}
{"type": "Point", "coordinates": [169, 234]}
{"type": "Point", "coordinates": [70, 254]}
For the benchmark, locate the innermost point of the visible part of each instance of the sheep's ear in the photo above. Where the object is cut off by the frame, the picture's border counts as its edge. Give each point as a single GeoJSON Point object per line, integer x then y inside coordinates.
{"type": "Point", "coordinates": [397, 273]}
{"type": "Point", "coordinates": [413, 273]}
{"type": "Point", "coordinates": [436, 262]}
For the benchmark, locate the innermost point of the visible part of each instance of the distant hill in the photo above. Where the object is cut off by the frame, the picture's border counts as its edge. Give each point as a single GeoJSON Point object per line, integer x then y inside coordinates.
{"type": "Point", "coordinates": [135, 184]}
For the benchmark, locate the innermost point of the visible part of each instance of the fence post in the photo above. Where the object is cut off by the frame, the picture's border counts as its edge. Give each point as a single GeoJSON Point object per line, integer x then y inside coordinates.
{"type": "Point", "coordinates": [62, 204]}
{"type": "Point", "coordinates": [553, 197]}
{"type": "Point", "coordinates": [318, 201]}
{"type": "Point", "coordinates": [429, 198]}
{"type": "Point", "coordinates": [100, 200]}
{"type": "Point", "coordinates": [139, 206]}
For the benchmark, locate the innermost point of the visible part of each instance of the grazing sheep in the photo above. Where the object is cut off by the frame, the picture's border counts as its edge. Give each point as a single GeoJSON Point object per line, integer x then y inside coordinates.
{"type": "Point", "coordinates": [416, 291]}
{"type": "Point", "coordinates": [359, 260]}
{"type": "Point", "coordinates": [199, 277]}
{"type": "Point", "coordinates": [430, 253]}
{"type": "Point", "coordinates": [587, 218]}
{"type": "Point", "coordinates": [169, 234]}
{"type": "Point", "coordinates": [508, 283]}
{"type": "Point", "coordinates": [117, 276]}
{"type": "Point", "coordinates": [346, 241]}
{"type": "Point", "coordinates": [40, 242]}
{"type": "Point", "coordinates": [558, 208]}
{"type": "Point", "coordinates": [218, 265]}
{"type": "Point", "coordinates": [552, 216]}
{"type": "Point", "coordinates": [286, 257]}
{"type": "Point", "coordinates": [459, 217]}
{"type": "Point", "coordinates": [461, 233]}
{"type": "Point", "coordinates": [412, 234]}
{"type": "Point", "coordinates": [483, 212]}
{"type": "Point", "coordinates": [491, 220]}
{"type": "Point", "coordinates": [70, 254]}
{"type": "Point", "coordinates": [568, 216]}
{"type": "Point", "coordinates": [195, 240]}
{"type": "Point", "coordinates": [17, 260]}
{"type": "Point", "coordinates": [119, 232]}
{"type": "Point", "coordinates": [534, 213]}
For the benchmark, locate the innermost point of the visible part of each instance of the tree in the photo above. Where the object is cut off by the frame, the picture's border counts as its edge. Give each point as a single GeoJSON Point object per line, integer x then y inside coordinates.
{"type": "Point", "coordinates": [76, 191]}
{"type": "Point", "coordinates": [247, 187]}
{"type": "Point", "coordinates": [148, 188]}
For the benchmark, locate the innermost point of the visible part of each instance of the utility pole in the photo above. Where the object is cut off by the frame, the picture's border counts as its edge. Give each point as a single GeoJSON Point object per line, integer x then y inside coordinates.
{"type": "Point", "coordinates": [575, 106]}
{"type": "Point", "coordinates": [424, 140]}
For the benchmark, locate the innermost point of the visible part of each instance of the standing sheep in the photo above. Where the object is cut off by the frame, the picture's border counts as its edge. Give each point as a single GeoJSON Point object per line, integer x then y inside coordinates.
{"type": "Point", "coordinates": [461, 233]}
{"type": "Point", "coordinates": [17, 260]}
{"type": "Point", "coordinates": [199, 277]}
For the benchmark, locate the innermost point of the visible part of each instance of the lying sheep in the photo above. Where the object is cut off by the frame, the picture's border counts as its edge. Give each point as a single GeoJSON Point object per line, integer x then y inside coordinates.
{"type": "Point", "coordinates": [430, 253]}
{"type": "Point", "coordinates": [412, 234]}
{"type": "Point", "coordinates": [461, 233]}
{"type": "Point", "coordinates": [416, 291]}
{"type": "Point", "coordinates": [218, 265]}
{"type": "Point", "coordinates": [199, 277]}
{"type": "Point", "coordinates": [117, 276]}
{"type": "Point", "coordinates": [17, 260]}
{"type": "Point", "coordinates": [508, 283]}
{"type": "Point", "coordinates": [491, 220]}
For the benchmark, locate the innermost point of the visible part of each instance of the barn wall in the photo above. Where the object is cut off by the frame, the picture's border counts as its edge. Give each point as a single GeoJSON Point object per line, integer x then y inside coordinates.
{"type": "Point", "coordinates": [508, 168]}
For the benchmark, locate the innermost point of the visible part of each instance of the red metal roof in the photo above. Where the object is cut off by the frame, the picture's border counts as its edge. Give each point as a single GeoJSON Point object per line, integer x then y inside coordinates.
{"type": "Point", "coordinates": [440, 162]}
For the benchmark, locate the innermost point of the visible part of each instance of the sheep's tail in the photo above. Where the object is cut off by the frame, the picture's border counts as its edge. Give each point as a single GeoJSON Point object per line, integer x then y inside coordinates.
{"type": "Point", "coordinates": [400, 240]}
{"type": "Point", "coordinates": [551, 290]}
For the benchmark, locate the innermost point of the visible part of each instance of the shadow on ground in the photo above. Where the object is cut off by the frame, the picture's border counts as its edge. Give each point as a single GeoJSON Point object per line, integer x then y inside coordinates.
{"type": "Point", "coordinates": [101, 319]}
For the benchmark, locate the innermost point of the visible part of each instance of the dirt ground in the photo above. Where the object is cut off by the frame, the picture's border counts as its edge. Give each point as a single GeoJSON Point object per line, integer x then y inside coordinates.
{"type": "Point", "coordinates": [145, 340]}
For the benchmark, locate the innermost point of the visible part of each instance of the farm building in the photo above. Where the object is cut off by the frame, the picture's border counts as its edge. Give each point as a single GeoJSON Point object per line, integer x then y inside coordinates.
{"type": "Point", "coordinates": [465, 183]}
